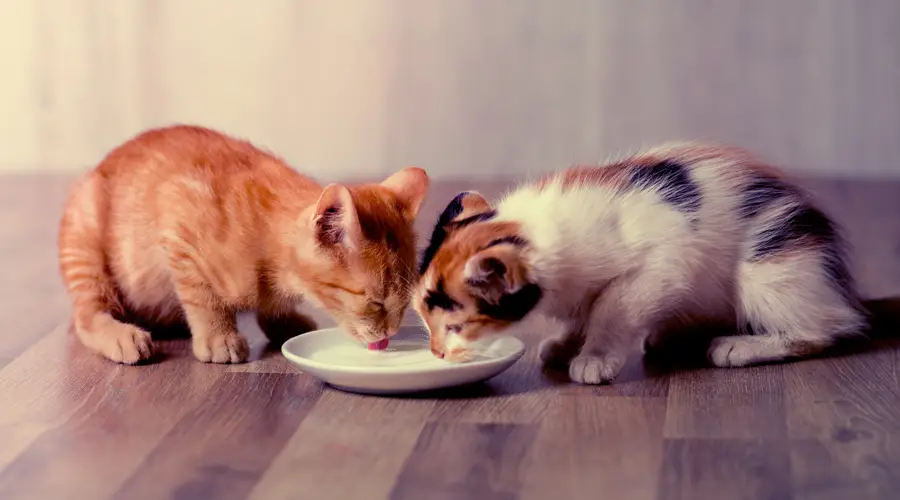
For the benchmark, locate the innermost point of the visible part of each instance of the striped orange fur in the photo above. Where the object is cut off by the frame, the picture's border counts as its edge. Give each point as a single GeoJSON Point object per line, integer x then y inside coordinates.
{"type": "Point", "coordinates": [186, 226]}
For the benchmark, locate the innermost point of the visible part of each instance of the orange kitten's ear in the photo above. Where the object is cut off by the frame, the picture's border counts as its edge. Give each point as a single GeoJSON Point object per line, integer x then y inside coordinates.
{"type": "Point", "coordinates": [410, 185]}
{"type": "Point", "coordinates": [335, 220]}
{"type": "Point", "coordinates": [495, 272]}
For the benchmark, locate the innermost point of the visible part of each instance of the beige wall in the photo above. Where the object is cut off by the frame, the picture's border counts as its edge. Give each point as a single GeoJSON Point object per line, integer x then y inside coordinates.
{"type": "Point", "coordinates": [461, 87]}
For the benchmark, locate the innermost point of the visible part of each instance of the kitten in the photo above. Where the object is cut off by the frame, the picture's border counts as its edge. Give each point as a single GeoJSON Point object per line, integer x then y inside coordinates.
{"type": "Point", "coordinates": [186, 226]}
{"type": "Point", "coordinates": [681, 232]}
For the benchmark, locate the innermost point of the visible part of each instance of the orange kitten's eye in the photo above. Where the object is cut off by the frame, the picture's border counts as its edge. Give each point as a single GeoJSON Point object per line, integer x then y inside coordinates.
{"type": "Point", "coordinates": [375, 307]}
{"type": "Point", "coordinates": [454, 328]}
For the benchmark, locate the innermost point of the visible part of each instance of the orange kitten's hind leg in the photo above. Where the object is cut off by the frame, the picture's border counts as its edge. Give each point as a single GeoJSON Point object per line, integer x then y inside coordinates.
{"type": "Point", "coordinates": [117, 341]}
{"type": "Point", "coordinates": [87, 280]}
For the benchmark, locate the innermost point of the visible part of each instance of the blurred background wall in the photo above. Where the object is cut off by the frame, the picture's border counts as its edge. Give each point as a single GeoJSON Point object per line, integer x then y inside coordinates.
{"type": "Point", "coordinates": [480, 88]}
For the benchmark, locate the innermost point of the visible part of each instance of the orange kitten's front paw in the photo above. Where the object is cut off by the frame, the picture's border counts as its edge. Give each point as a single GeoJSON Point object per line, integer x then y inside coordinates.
{"type": "Point", "coordinates": [126, 344]}
{"type": "Point", "coordinates": [227, 348]}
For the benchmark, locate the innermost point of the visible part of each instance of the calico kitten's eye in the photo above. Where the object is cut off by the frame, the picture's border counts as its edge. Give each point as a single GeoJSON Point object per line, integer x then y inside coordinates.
{"type": "Point", "coordinates": [454, 328]}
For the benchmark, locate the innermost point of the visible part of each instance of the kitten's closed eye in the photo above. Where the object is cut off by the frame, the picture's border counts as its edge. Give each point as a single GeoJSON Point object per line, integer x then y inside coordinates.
{"type": "Point", "coordinates": [375, 307]}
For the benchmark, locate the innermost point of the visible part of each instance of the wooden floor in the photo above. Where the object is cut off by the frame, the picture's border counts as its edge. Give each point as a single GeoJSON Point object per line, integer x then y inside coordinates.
{"type": "Point", "coordinates": [75, 426]}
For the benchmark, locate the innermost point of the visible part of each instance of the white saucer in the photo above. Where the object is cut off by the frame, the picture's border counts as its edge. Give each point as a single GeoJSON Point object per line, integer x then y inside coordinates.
{"type": "Point", "coordinates": [407, 365]}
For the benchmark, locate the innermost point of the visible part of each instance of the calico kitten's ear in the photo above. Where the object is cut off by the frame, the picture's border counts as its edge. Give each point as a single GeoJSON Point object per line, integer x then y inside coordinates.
{"type": "Point", "coordinates": [466, 204]}
{"type": "Point", "coordinates": [335, 220]}
{"type": "Point", "coordinates": [495, 272]}
{"type": "Point", "coordinates": [410, 185]}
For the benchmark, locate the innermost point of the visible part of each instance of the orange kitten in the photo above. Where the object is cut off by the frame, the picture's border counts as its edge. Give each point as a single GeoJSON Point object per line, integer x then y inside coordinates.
{"type": "Point", "coordinates": [184, 226]}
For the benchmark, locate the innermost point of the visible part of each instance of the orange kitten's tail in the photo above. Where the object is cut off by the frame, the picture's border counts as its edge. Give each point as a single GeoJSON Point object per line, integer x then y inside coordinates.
{"type": "Point", "coordinates": [84, 269]}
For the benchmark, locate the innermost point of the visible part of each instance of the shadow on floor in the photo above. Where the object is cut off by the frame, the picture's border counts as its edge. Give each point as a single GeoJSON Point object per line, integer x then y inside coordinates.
{"type": "Point", "coordinates": [689, 352]}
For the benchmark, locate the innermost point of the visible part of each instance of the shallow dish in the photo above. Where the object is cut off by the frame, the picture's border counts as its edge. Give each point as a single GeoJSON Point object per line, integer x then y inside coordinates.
{"type": "Point", "coordinates": [406, 366]}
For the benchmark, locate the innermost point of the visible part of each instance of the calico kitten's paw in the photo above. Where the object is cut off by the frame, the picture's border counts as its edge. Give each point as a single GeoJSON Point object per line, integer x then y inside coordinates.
{"type": "Point", "coordinates": [126, 344]}
{"type": "Point", "coordinates": [594, 370]}
{"type": "Point", "coordinates": [735, 351]}
{"type": "Point", "coordinates": [227, 348]}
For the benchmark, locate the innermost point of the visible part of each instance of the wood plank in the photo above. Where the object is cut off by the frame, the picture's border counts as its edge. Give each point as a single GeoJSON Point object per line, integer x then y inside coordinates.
{"type": "Point", "coordinates": [639, 378]}
{"type": "Point", "coordinates": [120, 423]}
{"type": "Point", "coordinates": [34, 301]}
{"type": "Point", "coordinates": [43, 387]}
{"type": "Point", "coordinates": [465, 460]}
{"type": "Point", "coordinates": [222, 446]}
{"type": "Point", "coordinates": [726, 403]}
{"type": "Point", "coordinates": [591, 444]}
{"type": "Point", "coordinates": [843, 415]}
{"type": "Point", "coordinates": [348, 447]}
{"type": "Point", "coordinates": [725, 468]}
{"type": "Point", "coordinates": [835, 470]}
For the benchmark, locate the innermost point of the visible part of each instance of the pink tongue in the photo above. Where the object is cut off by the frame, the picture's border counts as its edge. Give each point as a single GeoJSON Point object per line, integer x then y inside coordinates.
{"type": "Point", "coordinates": [380, 345]}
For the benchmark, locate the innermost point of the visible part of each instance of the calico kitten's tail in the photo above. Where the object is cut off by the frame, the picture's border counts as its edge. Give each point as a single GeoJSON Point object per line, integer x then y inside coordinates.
{"type": "Point", "coordinates": [85, 272]}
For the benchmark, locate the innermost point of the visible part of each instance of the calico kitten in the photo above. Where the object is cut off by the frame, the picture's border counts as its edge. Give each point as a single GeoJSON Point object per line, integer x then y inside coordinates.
{"type": "Point", "coordinates": [186, 226]}
{"type": "Point", "coordinates": [679, 233]}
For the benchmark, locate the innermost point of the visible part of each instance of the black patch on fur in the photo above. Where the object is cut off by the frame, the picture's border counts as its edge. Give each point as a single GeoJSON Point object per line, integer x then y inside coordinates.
{"type": "Point", "coordinates": [803, 221]}
{"type": "Point", "coordinates": [838, 271]}
{"type": "Point", "coordinates": [445, 224]}
{"type": "Point", "coordinates": [512, 306]}
{"type": "Point", "coordinates": [439, 233]}
{"type": "Point", "coordinates": [808, 221]}
{"type": "Point", "coordinates": [512, 240]}
{"type": "Point", "coordinates": [488, 215]}
{"type": "Point", "coordinates": [673, 182]}
{"type": "Point", "coordinates": [761, 192]}
{"type": "Point", "coordinates": [328, 227]}
{"type": "Point", "coordinates": [439, 298]}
